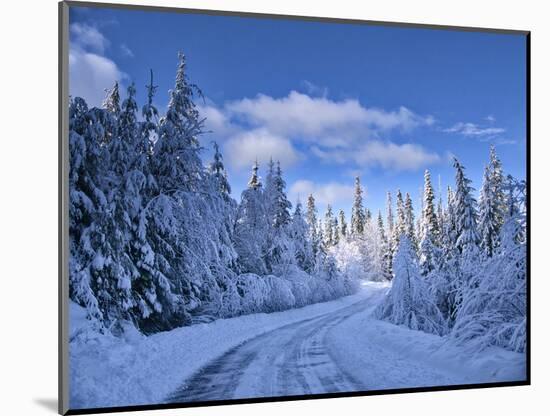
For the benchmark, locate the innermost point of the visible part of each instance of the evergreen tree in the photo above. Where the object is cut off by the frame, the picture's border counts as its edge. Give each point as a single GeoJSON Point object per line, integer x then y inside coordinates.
{"type": "Point", "coordinates": [494, 309]}
{"type": "Point", "coordinates": [399, 227]}
{"type": "Point", "coordinates": [277, 250]}
{"type": "Point", "coordinates": [311, 218]}
{"type": "Point", "coordinates": [487, 217]}
{"type": "Point", "coordinates": [111, 103]}
{"type": "Point", "coordinates": [282, 204]}
{"type": "Point", "coordinates": [491, 205]}
{"type": "Point", "coordinates": [270, 192]}
{"type": "Point", "coordinates": [335, 231]}
{"type": "Point", "coordinates": [342, 225]}
{"type": "Point", "coordinates": [254, 182]}
{"type": "Point", "coordinates": [410, 302]}
{"type": "Point", "coordinates": [84, 196]}
{"type": "Point", "coordinates": [440, 218]}
{"type": "Point", "coordinates": [303, 250]}
{"type": "Point", "coordinates": [409, 220]}
{"type": "Point", "coordinates": [357, 213]}
{"type": "Point", "coordinates": [178, 165]}
{"type": "Point", "coordinates": [429, 216]}
{"type": "Point", "coordinates": [498, 182]}
{"type": "Point", "coordinates": [385, 252]}
{"type": "Point", "coordinates": [148, 134]}
{"type": "Point", "coordinates": [389, 215]}
{"type": "Point", "coordinates": [251, 226]}
{"type": "Point", "coordinates": [390, 229]}
{"type": "Point", "coordinates": [368, 218]}
{"type": "Point", "coordinates": [123, 147]}
{"type": "Point", "coordinates": [217, 169]}
{"type": "Point", "coordinates": [401, 220]}
{"type": "Point", "coordinates": [329, 238]}
{"type": "Point", "coordinates": [100, 268]}
{"type": "Point", "coordinates": [465, 213]}
{"type": "Point", "coordinates": [429, 252]}
{"type": "Point", "coordinates": [449, 229]}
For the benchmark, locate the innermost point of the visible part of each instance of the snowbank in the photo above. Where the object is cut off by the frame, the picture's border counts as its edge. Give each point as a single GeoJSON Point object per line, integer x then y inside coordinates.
{"type": "Point", "coordinates": [387, 356]}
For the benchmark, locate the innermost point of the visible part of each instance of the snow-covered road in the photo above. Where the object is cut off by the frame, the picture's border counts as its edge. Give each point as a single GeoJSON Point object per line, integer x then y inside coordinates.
{"type": "Point", "coordinates": [292, 360]}
{"type": "Point", "coordinates": [323, 348]}
{"type": "Point", "coordinates": [323, 354]}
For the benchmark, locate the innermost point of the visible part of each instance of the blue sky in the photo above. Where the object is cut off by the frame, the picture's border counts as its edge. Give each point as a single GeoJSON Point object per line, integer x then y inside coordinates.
{"type": "Point", "coordinates": [330, 101]}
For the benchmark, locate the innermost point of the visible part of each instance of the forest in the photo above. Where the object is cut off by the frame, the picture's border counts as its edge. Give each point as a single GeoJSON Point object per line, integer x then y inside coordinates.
{"type": "Point", "coordinates": [157, 241]}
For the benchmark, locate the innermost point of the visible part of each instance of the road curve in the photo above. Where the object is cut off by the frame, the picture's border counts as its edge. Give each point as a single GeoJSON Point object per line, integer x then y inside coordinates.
{"type": "Point", "coordinates": [290, 360]}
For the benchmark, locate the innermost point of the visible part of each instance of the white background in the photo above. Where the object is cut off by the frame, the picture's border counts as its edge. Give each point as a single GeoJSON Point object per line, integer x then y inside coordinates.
{"type": "Point", "coordinates": [28, 205]}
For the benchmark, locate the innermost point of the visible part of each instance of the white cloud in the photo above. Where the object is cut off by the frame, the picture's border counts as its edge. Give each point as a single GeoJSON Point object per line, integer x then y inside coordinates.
{"type": "Point", "coordinates": [217, 121]}
{"type": "Point", "coordinates": [88, 37]}
{"type": "Point", "coordinates": [387, 155]}
{"type": "Point", "coordinates": [333, 193]}
{"type": "Point", "coordinates": [321, 119]}
{"type": "Point", "coordinates": [335, 131]}
{"type": "Point", "coordinates": [242, 149]}
{"type": "Point", "coordinates": [490, 118]}
{"type": "Point", "coordinates": [90, 72]}
{"type": "Point", "coordinates": [473, 130]}
{"type": "Point", "coordinates": [399, 157]}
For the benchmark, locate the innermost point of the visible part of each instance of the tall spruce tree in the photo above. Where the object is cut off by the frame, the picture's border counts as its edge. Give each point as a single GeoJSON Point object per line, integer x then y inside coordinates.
{"type": "Point", "coordinates": [329, 237]}
{"type": "Point", "coordinates": [84, 197]}
{"type": "Point", "coordinates": [389, 215]}
{"type": "Point", "coordinates": [123, 148]}
{"type": "Point", "coordinates": [251, 226]}
{"type": "Point", "coordinates": [409, 221]}
{"type": "Point", "coordinates": [178, 165]}
{"type": "Point", "coordinates": [401, 220]}
{"type": "Point", "coordinates": [429, 216]}
{"type": "Point", "coordinates": [357, 212]}
{"type": "Point", "coordinates": [465, 211]}
{"type": "Point", "coordinates": [399, 228]}
{"type": "Point", "coordinates": [342, 225]}
{"type": "Point", "coordinates": [148, 135]}
{"type": "Point", "coordinates": [254, 182]}
{"type": "Point", "coordinates": [499, 184]}
{"type": "Point", "coordinates": [386, 260]}
{"type": "Point", "coordinates": [217, 169]}
{"type": "Point", "coordinates": [303, 251]}
{"type": "Point", "coordinates": [488, 226]}
{"type": "Point", "coordinates": [390, 230]}
{"type": "Point", "coordinates": [492, 205]}
{"type": "Point", "coordinates": [311, 219]}
{"type": "Point", "coordinates": [335, 231]}
{"type": "Point", "coordinates": [282, 204]}
{"type": "Point", "coordinates": [368, 218]}
{"type": "Point", "coordinates": [429, 253]}
{"type": "Point", "coordinates": [111, 103]}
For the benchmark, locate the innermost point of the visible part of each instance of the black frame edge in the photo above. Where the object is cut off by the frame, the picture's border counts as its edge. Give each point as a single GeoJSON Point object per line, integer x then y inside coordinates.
{"type": "Point", "coordinates": [528, 190]}
{"type": "Point", "coordinates": [63, 200]}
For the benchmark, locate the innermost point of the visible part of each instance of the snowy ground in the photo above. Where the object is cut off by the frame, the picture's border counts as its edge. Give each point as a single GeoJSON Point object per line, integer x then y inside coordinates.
{"type": "Point", "coordinates": [329, 347]}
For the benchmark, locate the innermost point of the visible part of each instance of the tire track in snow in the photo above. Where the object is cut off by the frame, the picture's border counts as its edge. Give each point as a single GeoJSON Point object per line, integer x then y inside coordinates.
{"type": "Point", "coordinates": [291, 360]}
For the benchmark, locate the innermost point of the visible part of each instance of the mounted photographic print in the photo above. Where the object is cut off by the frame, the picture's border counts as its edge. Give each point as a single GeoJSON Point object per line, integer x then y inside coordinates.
{"type": "Point", "coordinates": [265, 208]}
